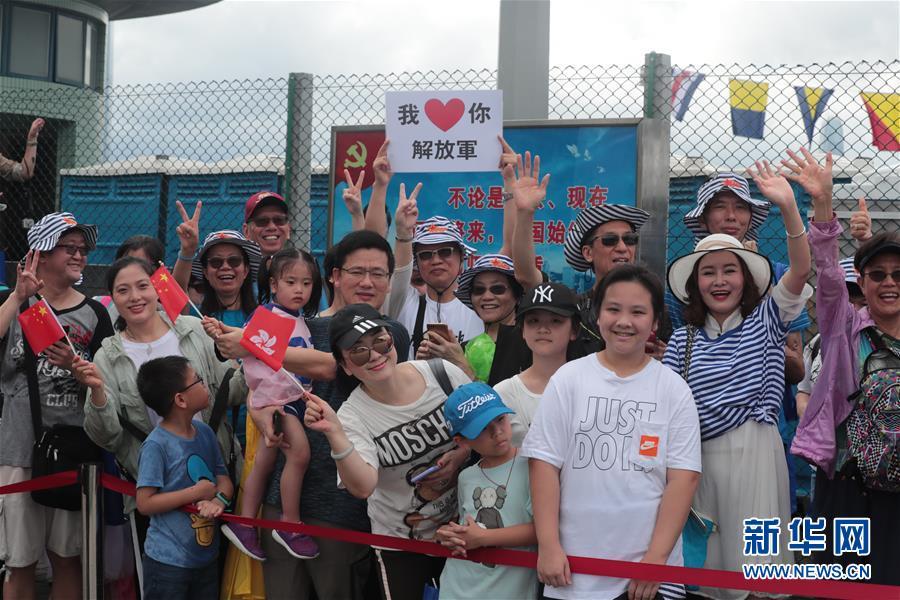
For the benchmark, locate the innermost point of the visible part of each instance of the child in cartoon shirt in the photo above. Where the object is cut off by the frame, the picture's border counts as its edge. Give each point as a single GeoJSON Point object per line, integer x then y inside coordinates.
{"type": "Point", "coordinates": [494, 499]}
{"type": "Point", "coordinates": [180, 463]}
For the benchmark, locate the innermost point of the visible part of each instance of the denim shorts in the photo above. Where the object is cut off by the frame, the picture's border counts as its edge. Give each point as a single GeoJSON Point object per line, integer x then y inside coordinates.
{"type": "Point", "coordinates": [165, 582]}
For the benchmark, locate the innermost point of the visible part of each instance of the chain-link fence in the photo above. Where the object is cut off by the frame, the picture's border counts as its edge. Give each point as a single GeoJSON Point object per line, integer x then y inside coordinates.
{"type": "Point", "coordinates": [122, 157]}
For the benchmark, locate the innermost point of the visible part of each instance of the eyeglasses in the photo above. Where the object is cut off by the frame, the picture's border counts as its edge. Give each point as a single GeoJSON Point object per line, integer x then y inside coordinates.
{"type": "Point", "coordinates": [277, 220]}
{"type": "Point", "coordinates": [360, 273]}
{"type": "Point", "coordinates": [498, 289]}
{"type": "Point", "coordinates": [442, 253]}
{"type": "Point", "coordinates": [72, 249]}
{"type": "Point", "coordinates": [361, 355]}
{"type": "Point", "coordinates": [199, 380]}
{"type": "Point", "coordinates": [612, 239]}
{"type": "Point", "coordinates": [878, 276]}
{"type": "Point", "coordinates": [216, 262]}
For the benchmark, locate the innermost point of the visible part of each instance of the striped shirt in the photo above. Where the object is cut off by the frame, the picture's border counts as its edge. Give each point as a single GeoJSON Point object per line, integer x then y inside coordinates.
{"type": "Point", "coordinates": [740, 374]}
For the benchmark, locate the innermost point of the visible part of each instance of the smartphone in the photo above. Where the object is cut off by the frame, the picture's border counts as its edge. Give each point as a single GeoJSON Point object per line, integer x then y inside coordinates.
{"type": "Point", "coordinates": [276, 422]}
{"type": "Point", "coordinates": [420, 476]}
{"type": "Point", "coordinates": [441, 329]}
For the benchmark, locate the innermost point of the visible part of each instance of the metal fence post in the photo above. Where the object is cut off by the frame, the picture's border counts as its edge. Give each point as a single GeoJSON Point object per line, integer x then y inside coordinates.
{"type": "Point", "coordinates": [91, 531]}
{"type": "Point", "coordinates": [653, 160]}
{"type": "Point", "coordinates": [298, 153]}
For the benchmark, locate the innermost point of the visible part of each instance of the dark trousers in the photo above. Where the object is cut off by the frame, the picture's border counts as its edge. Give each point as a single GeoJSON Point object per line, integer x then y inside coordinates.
{"type": "Point", "coordinates": [165, 582]}
{"type": "Point", "coordinates": [404, 575]}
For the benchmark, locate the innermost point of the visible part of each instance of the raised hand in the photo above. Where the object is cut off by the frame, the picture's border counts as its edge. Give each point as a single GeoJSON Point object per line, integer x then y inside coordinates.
{"type": "Point", "coordinates": [861, 222]}
{"type": "Point", "coordinates": [805, 170]}
{"type": "Point", "coordinates": [508, 160]}
{"type": "Point", "coordinates": [772, 184]}
{"type": "Point", "coordinates": [353, 192]}
{"type": "Point", "coordinates": [382, 166]}
{"type": "Point", "coordinates": [527, 191]}
{"type": "Point", "coordinates": [407, 211]}
{"type": "Point", "coordinates": [27, 283]}
{"type": "Point", "coordinates": [189, 229]}
{"type": "Point", "coordinates": [35, 130]}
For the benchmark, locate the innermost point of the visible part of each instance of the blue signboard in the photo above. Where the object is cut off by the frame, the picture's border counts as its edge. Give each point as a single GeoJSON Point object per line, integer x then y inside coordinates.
{"type": "Point", "coordinates": [590, 163]}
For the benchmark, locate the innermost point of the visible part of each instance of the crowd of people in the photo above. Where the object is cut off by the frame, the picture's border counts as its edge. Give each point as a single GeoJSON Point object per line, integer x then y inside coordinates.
{"type": "Point", "coordinates": [470, 407]}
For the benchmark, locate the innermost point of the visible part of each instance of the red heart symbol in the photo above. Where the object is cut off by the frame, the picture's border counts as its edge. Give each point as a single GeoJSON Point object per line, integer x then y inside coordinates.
{"type": "Point", "coordinates": [443, 115]}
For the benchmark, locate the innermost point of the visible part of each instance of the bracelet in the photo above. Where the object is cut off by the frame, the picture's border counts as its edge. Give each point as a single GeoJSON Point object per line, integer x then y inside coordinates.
{"type": "Point", "coordinates": [30, 143]}
{"type": "Point", "coordinates": [343, 453]}
{"type": "Point", "coordinates": [223, 499]}
{"type": "Point", "coordinates": [186, 258]}
{"type": "Point", "coordinates": [403, 240]}
{"type": "Point", "coordinates": [795, 236]}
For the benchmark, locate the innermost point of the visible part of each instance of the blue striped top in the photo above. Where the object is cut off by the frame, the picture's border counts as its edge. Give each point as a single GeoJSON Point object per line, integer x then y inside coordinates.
{"type": "Point", "coordinates": [737, 376]}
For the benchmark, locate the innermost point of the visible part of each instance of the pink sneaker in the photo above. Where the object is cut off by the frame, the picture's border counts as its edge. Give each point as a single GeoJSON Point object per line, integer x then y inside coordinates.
{"type": "Point", "coordinates": [245, 539]}
{"type": "Point", "coordinates": [298, 545]}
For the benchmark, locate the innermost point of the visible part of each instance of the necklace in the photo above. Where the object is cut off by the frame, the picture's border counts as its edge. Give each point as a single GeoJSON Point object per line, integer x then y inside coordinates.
{"type": "Point", "coordinates": [512, 464]}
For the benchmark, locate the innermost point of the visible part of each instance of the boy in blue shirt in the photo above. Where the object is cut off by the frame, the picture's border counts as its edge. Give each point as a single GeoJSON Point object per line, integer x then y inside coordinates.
{"type": "Point", "coordinates": [180, 464]}
{"type": "Point", "coordinates": [494, 500]}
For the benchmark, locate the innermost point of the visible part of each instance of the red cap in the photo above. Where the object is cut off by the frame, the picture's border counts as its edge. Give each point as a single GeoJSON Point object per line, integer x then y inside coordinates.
{"type": "Point", "coordinates": [263, 199]}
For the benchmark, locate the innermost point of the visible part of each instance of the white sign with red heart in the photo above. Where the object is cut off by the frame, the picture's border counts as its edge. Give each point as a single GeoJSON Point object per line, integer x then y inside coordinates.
{"type": "Point", "coordinates": [444, 131]}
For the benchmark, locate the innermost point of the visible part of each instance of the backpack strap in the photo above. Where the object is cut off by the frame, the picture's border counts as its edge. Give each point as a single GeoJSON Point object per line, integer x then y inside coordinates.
{"type": "Point", "coordinates": [31, 377]}
{"type": "Point", "coordinates": [131, 428]}
{"type": "Point", "coordinates": [689, 349]}
{"type": "Point", "coordinates": [419, 327]}
{"type": "Point", "coordinates": [221, 402]}
{"type": "Point", "coordinates": [440, 373]}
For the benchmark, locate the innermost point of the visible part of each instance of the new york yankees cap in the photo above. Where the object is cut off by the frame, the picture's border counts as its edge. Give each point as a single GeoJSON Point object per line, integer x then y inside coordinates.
{"type": "Point", "coordinates": [552, 297]}
{"type": "Point", "coordinates": [351, 323]}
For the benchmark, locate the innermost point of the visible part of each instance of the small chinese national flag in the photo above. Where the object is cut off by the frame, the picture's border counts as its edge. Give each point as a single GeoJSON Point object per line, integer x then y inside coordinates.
{"type": "Point", "coordinates": [170, 293]}
{"type": "Point", "coordinates": [40, 327]}
{"type": "Point", "coordinates": [267, 336]}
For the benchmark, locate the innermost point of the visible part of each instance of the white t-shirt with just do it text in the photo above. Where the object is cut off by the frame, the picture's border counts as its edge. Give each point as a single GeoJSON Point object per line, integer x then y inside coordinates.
{"type": "Point", "coordinates": [400, 442]}
{"type": "Point", "coordinates": [612, 438]}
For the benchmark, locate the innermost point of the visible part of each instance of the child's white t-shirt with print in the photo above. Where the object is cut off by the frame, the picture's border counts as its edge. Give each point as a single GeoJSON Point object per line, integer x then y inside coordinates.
{"type": "Point", "coordinates": [612, 439]}
{"type": "Point", "coordinates": [516, 395]}
{"type": "Point", "coordinates": [400, 442]}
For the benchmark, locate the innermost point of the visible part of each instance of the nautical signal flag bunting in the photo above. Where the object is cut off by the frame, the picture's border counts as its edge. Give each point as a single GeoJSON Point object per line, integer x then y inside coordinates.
{"type": "Point", "coordinates": [267, 336]}
{"type": "Point", "coordinates": [748, 101]}
{"type": "Point", "coordinates": [171, 296]}
{"type": "Point", "coordinates": [884, 116]}
{"type": "Point", "coordinates": [40, 326]}
{"type": "Point", "coordinates": [684, 84]}
{"type": "Point", "coordinates": [812, 105]}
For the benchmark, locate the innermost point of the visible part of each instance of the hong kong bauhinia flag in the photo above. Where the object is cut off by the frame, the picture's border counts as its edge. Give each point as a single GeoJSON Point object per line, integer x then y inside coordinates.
{"type": "Point", "coordinates": [40, 327]}
{"type": "Point", "coordinates": [171, 296]}
{"type": "Point", "coordinates": [267, 336]}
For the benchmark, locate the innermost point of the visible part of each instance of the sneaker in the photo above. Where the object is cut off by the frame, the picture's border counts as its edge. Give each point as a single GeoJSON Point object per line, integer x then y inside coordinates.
{"type": "Point", "coordinates": [245, 539]}
{"type": "Point", "coordinates": [298, 545]}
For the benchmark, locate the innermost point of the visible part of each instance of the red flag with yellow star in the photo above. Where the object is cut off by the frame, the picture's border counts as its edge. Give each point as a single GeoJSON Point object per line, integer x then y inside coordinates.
{"type": "Point", "coordinates": [40, 327]}
{"type": "Point", "coordinates": [170, 294]}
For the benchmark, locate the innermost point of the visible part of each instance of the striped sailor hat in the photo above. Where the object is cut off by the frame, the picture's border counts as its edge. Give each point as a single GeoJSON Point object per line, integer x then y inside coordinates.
{"type": "Point", "coordinates": [44, 235]}
{"type": "Point", "coordinates": [496, 263]}
{"type": "Point", "coordinates": [737, 185]}
{"type": "Point", "coordinates": [227, 236]}
{"type": "Point", "coordinates": [851, 275]}
{"type": "Point", "coordinates": [591, 218]}
{"type": "Point", "coordinates": [351, 323]}
{"type": "Point", "coordinates": [440, 230]}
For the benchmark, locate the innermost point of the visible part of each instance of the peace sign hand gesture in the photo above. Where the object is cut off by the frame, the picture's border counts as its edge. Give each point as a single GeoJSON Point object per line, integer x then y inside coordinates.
{"type": "Point", "coordinates": [27, 283]}
{"type": "Point", "coordinates": [189, 230]}
{"type": "Point", "coordinates": [353, 193]}
{"type": "Point", "coordinates": [407, 212]}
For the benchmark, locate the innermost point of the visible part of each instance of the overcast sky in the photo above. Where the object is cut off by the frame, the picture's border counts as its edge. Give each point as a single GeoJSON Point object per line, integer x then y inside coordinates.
{"type": "Point", "coordinates": [259, 38]}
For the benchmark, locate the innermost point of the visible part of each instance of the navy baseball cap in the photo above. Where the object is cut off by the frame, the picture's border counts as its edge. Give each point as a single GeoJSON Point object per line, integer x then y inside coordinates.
{"type": "Point", "coordinates": [470, 408]}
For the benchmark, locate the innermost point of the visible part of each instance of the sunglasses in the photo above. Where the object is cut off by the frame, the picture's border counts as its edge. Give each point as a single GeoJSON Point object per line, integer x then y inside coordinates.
{"type": "Point", "coordinates": [278, 220]}
{"type": "Point", "coordinates": [498, 289]}
{"type": "Point", "coordinates": [217, 261]}
{"type": "Point", "coordinates": [879, 276]}
{"type": "Point", "coordinates": [612, 239]}
{"type": "Point", "coordinates": [199, 380]}
{"type": "Point", "coordinates": [361, 355]}
{"type": "Point", "coordinates": [72, 249]}
{"type": "Point", "coordinates": [442, 253]}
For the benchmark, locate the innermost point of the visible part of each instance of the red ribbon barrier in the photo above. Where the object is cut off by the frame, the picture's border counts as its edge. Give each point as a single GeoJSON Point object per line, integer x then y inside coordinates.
{"type": "Point", "coordinates": [841, 590]}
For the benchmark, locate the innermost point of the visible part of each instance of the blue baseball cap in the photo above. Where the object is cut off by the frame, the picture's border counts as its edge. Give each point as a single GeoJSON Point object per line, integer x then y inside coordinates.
{"type": "Point", "coordinates": [470, 408]}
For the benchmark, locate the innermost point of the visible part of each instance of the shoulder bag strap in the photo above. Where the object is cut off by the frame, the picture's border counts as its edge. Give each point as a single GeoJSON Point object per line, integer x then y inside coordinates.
{"type": "Point", "coordinates": [440, 373]}
{"type": "Point", "coordinates": [689, 349]}
{"type": "Point", "coordinates": [31, 377]}
{"type": "Point", "coordinates": [221, 401]}
{"type": "Point", "coordinates": [132, 428]}
{"type": "Point", "coordinates": [419, 327]}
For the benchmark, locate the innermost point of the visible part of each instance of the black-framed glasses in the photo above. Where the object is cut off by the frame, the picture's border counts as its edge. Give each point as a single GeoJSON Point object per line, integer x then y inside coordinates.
{"type": "Point", "coordinates": [498, 289]}
{"type": "Point", "coordinates": [216, 262]}
{"type": "Point", "coordinates": [360, 273]}
{"type": "Point", "coordinates": [878, 275]}
{"type": "Point", "coordinates": [612, 239]}
{"type": "Point", "coordinates": [198, 380]}
{"type": "Point", "coordinates": [442, 253]}
{"type": "Point", "coordinates": [73, 249]}
{"type": "Point", "coordinates": [361, 355]}
{"type": "Point", "coordinates": [277, 220]}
